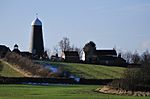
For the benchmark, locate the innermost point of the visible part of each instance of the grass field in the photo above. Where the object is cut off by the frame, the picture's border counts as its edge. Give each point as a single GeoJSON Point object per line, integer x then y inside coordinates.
{"type": "Point", "coordinates": [87, 71]}
{"type": "Point", "coordinates": [63, 91]}
{"type": "Point", "coordinates": [92, 71]}
{"type": "Point", "coordinates": [56, 92]}
{"type": "Point", "coordinates": [7, 71]}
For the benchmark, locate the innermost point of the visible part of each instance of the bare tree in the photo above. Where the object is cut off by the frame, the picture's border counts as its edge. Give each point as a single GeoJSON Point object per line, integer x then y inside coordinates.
{"type": "Point", "coordinates": [134, 78]}
{"type": "Point", "coordinates": [127, 56]}
{"type": "Point", "coordinates": [135, 58]}
{"type": "Point", "coordinates": [56, 49]}
{"type": "Point", "coordinates": [64, 44]}
{"type": "Point", "coordinates": [74, 48]}
{"type": "Point", "coordinates": [145, 57]}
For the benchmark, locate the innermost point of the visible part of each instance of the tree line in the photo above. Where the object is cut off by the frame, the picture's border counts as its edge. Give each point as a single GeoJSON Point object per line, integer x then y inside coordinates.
{"type": "Point", "coordinates": [131, 58]}
{"type": "Point", "coordinates": [136, 58]}
{"type": "Point", "coordinates": [136, 78]}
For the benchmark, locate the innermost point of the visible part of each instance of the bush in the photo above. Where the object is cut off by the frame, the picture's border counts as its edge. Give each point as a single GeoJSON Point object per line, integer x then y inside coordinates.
{"type": "Point", "coordinates": [1, 67]}
{"type": "Point", "coordinates": [134, 78]}
{"type": "Point", "coordinates": [26, 64]}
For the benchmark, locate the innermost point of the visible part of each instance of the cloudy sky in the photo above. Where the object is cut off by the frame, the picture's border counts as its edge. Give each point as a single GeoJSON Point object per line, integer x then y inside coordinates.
{"type": "Point", "coordinates": [124, 24]}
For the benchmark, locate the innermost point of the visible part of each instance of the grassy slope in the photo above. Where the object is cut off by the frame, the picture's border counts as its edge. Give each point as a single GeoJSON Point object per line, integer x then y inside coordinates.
{"type": "Point", "coordinates": [7, 71]}
{"type": "Point", "coordinates": [80, 70]}
{"type": "Point", "coordinates": [56, 92]}
{"type": "Point", "coordinates": [92, 71]}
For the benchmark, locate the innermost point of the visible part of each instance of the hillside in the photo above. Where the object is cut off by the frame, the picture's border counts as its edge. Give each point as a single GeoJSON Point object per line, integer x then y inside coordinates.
{"type": "Point", "coordinates": [87, 71]}
{"type": "Point", "coordinates": [90, 71]}
{"type": "Point", "coordinates": [8, 71]}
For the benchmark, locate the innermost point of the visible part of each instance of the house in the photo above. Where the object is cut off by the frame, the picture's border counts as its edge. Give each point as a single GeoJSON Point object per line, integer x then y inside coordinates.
{"type": "Point", "coordinates": [106, 52]}
{"type": "Point", "coordinates": [71, 56]}
{"type": "Point", "coordinates": [28, 54]}
{"type": "Point", "coordinates": [16, 50]}
{"type": "Point", "coordinates": [104, 57]}
{"type": "Point", "coordinates": [3, 51]}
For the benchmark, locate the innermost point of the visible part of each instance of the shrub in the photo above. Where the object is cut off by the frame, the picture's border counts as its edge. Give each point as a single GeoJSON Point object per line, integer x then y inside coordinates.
{"type": "Point", "coordinates": [134, 79]}
{"type": "Point", "coordinates": [26, 64]}
{"type": "Point", "coordinates": [1, 67]}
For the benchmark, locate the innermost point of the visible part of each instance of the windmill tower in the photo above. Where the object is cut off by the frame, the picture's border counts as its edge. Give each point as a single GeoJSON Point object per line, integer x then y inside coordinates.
{"type": "Point", "coordinates": [37, 45]}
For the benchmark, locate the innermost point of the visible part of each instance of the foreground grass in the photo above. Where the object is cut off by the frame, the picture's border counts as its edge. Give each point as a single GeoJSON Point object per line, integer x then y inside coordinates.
{"type": "Point", "coordinates": [8, 71]}
{"type": "Point", "coordinates": [56, 92]}
{"type": "Point", "coordinates": [90, 71]}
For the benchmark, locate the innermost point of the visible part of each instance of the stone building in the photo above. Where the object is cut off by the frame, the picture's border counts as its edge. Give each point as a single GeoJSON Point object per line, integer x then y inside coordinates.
{"type": "Point", "coordinates": [105, 57]}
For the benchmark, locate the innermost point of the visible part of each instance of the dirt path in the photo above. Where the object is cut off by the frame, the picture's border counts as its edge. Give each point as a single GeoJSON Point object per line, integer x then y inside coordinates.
{"type": "Point", "coordinates": [24, 73]}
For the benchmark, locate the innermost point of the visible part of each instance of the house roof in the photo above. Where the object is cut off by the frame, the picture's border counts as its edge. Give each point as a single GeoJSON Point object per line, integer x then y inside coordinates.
{"type": "Point", "coordinates": [4, 48]}
{"type": "Point", "coordinates": [16, 51]}
{"type": "Point", "coordinates": [71, 53]}
{"type": "Point", "coordinates": [26, 53]}
{"type": "Point", "coordinates": [15, 45]}
{"type": "Point", "coordinates": [106, 52]}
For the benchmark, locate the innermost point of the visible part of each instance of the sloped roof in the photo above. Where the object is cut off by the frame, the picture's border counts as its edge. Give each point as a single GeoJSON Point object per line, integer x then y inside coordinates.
{"type": "Point", "coordinates": [4, 48]}
{"type": "Point", "coordinates": [106, 52]}
{"type": "Point", "coordinates": [16, 51]}
{"type": "Point", "coordinates": [36, 22]}
{"type": "Point", "coordinates": [26, 53]}
{"type": "Point", "coordinates": [71, 53]}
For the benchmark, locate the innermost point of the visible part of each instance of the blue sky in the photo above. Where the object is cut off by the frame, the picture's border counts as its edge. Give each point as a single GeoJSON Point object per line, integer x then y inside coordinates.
{"type": "Point", "coordinates": [124, 24]}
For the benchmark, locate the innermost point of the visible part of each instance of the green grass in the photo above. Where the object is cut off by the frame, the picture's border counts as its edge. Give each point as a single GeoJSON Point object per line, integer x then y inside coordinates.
{"type": "Point", "coordinates": [56, 92]}
{"type": "Point", "coordinates": [90, 71]}
{"type": "Point", "coordinates": [7, 71]}
{"type": "Point", "coordinates": [87, 71]}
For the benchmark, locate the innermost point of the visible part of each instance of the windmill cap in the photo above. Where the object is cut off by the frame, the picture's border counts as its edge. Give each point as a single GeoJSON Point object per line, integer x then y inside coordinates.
{"type": "Point", "coordinates": [36, 22]}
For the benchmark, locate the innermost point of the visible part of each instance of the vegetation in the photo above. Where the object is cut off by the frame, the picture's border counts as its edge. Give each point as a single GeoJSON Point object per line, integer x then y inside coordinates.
{"type": "Point", "coordinates": [26, 65]}
{"type": "Point", "coordinates": [64, 45]}
{"type": "Point", "coordinates": [134, 58]}
{"type": "Point", "coordinates": [56, 92]}
{"type": "Point", "coordinates": [90, 71]}
{"type": "Point", "coordinates": [136, 78]}
{"type": "Point", "coordinates": [7, 71]}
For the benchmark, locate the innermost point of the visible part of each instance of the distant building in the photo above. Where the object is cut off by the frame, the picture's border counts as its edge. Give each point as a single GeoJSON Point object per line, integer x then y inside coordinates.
{"type": "Point", "coordinates": [70, 56]}
{"type": "Point", "coordinates": [16, 50]}
{"type": "Point", "coordinates": [23, 53]}
{"type": "Point", "coordinates": [37, 44]}
{"type": "Point", "coordinates": [105, 57]}
{"type": "Point", "coordinates": [4, 50]}
{"type": "Point", "coordinates": [27, 54]}
{"type": "Point", "coordinates": [56, 58]}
